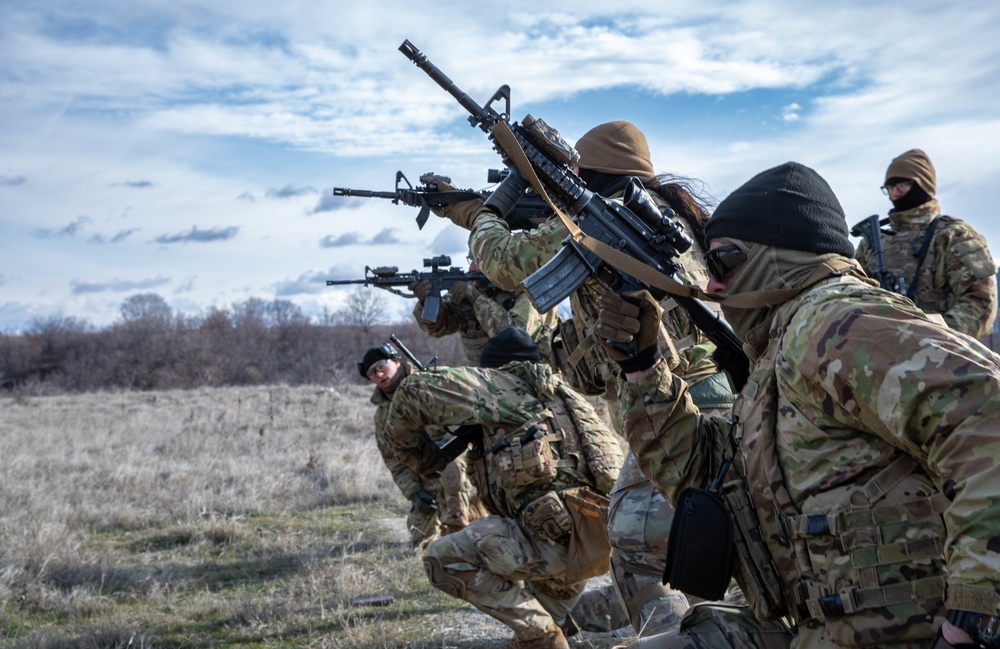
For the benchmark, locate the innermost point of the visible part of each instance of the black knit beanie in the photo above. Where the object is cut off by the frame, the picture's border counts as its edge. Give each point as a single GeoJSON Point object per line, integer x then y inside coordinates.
{"type": "Point", "coordinates": [788, 206]}
{"type": "Point", "coordinates": [511, 344]}
{"type": "Point", "coordinates": [374, 355]}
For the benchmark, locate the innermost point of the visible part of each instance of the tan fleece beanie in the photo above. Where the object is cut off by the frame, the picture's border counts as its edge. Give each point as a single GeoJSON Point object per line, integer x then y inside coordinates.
{"type": "Point", "coordinates": [617, 148]}
{"type": "Point", "coordinates": [915, 165]}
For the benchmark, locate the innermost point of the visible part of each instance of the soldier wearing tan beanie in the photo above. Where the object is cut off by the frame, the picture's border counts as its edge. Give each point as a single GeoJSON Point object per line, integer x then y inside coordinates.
{"type": "Point", "coordinates": [916, 166]}
{"type": "Point", "coordinates": [617, 148]}
{"type": "Point", "coordinates": [943, 262]}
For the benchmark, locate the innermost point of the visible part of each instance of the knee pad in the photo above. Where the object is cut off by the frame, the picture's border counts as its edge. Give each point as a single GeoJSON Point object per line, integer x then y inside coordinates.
{"type": "Point", "coordinates": [442, 579]}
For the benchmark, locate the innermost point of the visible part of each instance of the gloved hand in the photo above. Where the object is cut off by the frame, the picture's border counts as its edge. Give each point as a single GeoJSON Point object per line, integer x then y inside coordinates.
{"type": "Point", "coordinates": [627, 327]}
{"type": "Point", "coordinates": [463, 213]}
{"type": "Point", "coordinates": [464, 292]}
{"type": "Point", "coordinates": [421, 289]}
{"type": "Point", "coordinates": [423, 502]}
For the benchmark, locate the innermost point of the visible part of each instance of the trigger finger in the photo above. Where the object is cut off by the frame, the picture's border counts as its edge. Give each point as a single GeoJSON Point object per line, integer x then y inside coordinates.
{"type": "Point", "coordinates": [604, 332]}
{"type": "Point", "coordinates": [618, 304]}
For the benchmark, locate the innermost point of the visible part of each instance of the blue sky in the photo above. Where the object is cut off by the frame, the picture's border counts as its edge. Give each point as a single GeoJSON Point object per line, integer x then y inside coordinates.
{"type": "Point", "coordinates": [190, 149]}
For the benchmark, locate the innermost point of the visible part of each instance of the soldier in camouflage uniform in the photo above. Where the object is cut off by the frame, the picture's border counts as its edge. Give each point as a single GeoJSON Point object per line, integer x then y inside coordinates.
{"type": "Point", "coordinates": [866, 454]}
{"type": "Point", "coordinates": [955, 277]}
{"type": "Point", "coordinates": [438, 505]}
{"type": "Point", "coordinates": [478, 310]}
{"type": "Point", "coordinates": [639, 520]}
{"type": "Point", "coordinates": [542, 454]}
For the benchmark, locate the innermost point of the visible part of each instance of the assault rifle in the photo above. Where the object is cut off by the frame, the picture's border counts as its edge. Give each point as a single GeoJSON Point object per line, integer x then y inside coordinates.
{"type": "Point", "coordinates": [870, 230]}
{"type": "Point", "coordinates": [636, 228]}
{"type": "Point", "coordinates": [439, 455]}
{"type": "Point", "coordinates": [404, 350]}
{"type": "Point", "coordinates": [527, 214]}
{"type": "Point", "coordinates": [441, 278]}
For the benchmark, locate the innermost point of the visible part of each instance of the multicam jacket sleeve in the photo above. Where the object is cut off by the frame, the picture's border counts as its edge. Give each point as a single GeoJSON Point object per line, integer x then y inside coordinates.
{"type": "Point", "coordinates": [861, 377]}
{"type": "Point", "coordinates": [408, 481]}
{"type": "Point", "coordinates": [455, 396]}
{"type": "Point", "coordinates": [452, 318]}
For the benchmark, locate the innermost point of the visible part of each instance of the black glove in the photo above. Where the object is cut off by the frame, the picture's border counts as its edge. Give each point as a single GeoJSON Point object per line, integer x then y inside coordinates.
{"type": "Point", "coordinates": [627, 328]}
{"type": "Point", "coordinates": [423, 502]}
{"type": "Point", "coordinates": [421, 289]}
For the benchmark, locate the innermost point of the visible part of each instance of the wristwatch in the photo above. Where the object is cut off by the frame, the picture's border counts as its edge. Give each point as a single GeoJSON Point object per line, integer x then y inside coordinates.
{"type": "Point", "coordinates": [983, 629]}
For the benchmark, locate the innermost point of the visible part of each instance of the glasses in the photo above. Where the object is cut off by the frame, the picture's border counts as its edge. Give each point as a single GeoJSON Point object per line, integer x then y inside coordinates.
{"type": "Point", "coordinates": [376, 368]}
{"type": "Point", "coordinates": [903, 185]}
{"type": "Point", "coordinates": [723, 260]}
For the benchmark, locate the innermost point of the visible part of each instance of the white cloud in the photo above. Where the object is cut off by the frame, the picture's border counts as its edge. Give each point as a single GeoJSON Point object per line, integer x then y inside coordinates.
{"type": "Point", "coordinates": [215, 107]}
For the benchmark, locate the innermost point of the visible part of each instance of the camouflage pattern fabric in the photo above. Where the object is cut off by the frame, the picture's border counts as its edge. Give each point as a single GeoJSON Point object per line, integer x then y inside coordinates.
{"type": "Point", "coordinates": [455, 318]}
{"type": "Point", "coordinates": [487, 317]}
{"type": "Point", "coordinates": [506, 402]}
{"type": "Point", "coordinates": [958, 277]}
{"type": "Point", "coordinates": [850, 379]}
{"type": "Point", "coordinates": [508, 573]}
{"type": "Point", "coordinates": [507, 259]}
{"type": "Point", "coordinates": [718, 626]}
{"type": "Point", "coordinates": [454, 493]}
{"type": "Point", "coordinates": [516, 310]}
{"type": "Point", "coordinates": [486, 562]}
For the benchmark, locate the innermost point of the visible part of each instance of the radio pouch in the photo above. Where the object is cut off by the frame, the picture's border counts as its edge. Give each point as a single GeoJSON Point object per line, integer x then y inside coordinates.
{"type": "Point", "coordinates": [700, 548]}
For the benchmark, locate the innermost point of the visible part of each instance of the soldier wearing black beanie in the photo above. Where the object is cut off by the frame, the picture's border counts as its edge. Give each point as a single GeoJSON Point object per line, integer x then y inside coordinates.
{"type": "Point", "coordinates": [511, 344]}
{"type": "Point", "coordinates": [788, 206]}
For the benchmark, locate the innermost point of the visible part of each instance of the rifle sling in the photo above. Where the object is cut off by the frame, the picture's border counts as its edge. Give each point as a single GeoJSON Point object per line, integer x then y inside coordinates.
{"type": "Point", "coordinates": [631, 266]}
{"type": "Point", "coordinates": [627, 264]}
{"type": "Point", "coordinates": [911, 290]}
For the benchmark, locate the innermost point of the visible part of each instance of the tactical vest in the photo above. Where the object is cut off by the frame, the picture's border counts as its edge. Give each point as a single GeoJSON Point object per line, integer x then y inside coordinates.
{"type": "Point", "coordinates": [901, 251]}
{"type": "Point", "coordinates": [518, 464]}
{"type": "Point", "coordinates": [865, 559]}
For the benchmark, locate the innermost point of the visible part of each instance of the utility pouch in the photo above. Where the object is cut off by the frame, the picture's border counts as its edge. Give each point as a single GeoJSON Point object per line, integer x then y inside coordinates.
{"type": "Point", "coordinates": [522, 461]}
{"type": "Point", "coordinates": [700, 548]}
{"type": "Point", "coordinates": [547, 517]}
{"type": "Point", "coordinates": [589, 552]}
{"type": "Point", "coordinates": [755, 571]}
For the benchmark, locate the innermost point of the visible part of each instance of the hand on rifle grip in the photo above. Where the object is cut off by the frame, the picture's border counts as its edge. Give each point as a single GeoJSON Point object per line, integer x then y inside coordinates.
{"type": "Point", "coordinates": [421, 289]}
{"type": "Point", "coordinates": [628, 327]}
{"type": "Point", "coordinates": [463, 213]}
{"type": "Point", "coordinates": [464, 292]}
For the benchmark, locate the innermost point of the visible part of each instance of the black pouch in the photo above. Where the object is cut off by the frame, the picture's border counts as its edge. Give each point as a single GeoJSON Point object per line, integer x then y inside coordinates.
{"type": "Point", "coordinates": [700, 548]}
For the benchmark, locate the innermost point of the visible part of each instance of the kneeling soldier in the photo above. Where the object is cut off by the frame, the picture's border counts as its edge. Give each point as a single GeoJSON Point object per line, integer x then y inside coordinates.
{"type": "Point", "coordinates": [542, 460]}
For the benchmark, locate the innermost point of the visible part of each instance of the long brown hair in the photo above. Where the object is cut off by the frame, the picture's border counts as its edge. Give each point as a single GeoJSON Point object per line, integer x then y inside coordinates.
{"type": "Point", "coordinates": [687, 197]}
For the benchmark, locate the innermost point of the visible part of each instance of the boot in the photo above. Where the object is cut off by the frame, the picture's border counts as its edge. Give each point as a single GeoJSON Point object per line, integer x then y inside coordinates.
{"type": "Point", "coordinates": [599, 610]}
{"type": "Point", "coordinates": [553, 639]}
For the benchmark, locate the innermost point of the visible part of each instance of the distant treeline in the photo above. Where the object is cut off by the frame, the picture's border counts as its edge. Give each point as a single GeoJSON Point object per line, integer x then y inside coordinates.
{"type": "Point", "coordinates": [255, 342]}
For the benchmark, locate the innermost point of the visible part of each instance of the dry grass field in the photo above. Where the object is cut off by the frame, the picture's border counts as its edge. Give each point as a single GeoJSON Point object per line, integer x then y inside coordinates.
{"type": "Point", "coordinates": [232, 517]}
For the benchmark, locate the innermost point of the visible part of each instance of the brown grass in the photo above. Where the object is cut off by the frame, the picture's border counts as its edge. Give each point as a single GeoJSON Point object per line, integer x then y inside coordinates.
{"type": "Point", "coordinates": [248, 517]}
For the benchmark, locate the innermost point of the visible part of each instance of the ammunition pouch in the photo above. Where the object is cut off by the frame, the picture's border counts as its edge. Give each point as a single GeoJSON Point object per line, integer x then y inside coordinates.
{"type": "Point", "coordinates": [589, 552]}
{"type": "Point", "coordinates": [547, 517]}
{"type": "Point", "coordinates": [755, 571]}
{"type": "Point", "coordinates": [700, 549]}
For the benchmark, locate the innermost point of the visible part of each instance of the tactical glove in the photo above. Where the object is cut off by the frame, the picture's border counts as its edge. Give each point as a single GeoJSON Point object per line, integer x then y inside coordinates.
{"type": "Point", "coordinates": [627, 328]}
{"type": "Point", "coordinates": [423, 502]}
{"type": "Point", "coordinates": [463, 213]}
{"type": "Point", "coordinates": [464, 292]}
{"type": "Point", "coordinates": [421, 289]}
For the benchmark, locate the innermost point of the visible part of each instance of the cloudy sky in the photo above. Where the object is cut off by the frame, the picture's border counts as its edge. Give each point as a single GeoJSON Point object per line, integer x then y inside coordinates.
{"type": "Point", "coordinates": [190, 149]}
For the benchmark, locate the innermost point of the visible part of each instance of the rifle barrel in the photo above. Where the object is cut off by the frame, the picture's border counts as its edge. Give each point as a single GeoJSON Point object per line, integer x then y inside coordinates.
{"type": "Point", "coordinates": [363, 193]}
{"type": "Point", "coordinates": [419, 59]}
